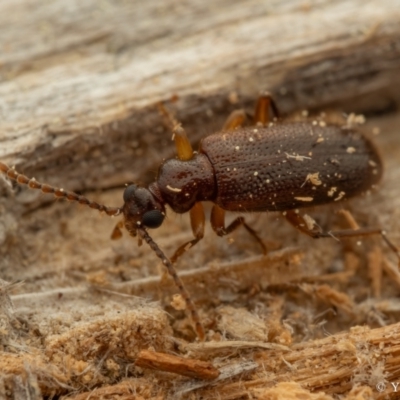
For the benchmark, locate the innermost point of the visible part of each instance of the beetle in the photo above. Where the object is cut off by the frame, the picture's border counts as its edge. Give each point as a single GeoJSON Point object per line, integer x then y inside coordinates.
{"type": "Point", "coordinates": [273, 165]}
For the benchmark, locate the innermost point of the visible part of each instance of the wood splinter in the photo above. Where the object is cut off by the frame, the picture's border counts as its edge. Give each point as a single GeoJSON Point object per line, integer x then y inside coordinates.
{"type": "Point", "coordinates": [178, 365]}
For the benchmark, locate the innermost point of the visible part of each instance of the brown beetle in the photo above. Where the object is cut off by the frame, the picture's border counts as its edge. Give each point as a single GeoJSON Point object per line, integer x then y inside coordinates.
{"type": "Point", "coordinates": [274, 165]}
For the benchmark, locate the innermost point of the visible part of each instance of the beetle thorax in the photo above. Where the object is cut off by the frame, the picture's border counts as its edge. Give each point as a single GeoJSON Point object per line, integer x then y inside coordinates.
{"type": "Point", "coordinates": [183, 183]}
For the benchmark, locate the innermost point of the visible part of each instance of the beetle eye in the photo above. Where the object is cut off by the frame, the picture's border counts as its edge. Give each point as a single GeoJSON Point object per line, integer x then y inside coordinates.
{"type": "Point", "coordinates": [129, 191]}
{"type": "Point", "coordinates": [152, 219]}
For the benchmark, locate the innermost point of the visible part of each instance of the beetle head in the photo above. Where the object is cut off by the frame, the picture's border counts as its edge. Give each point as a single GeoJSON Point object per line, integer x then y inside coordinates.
{"type": "Point", "coordinates": [141, 209]}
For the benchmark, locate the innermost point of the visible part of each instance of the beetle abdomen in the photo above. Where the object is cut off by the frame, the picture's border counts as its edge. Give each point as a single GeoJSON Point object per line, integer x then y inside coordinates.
{"type": "Point", "coordinates": [290, 165]}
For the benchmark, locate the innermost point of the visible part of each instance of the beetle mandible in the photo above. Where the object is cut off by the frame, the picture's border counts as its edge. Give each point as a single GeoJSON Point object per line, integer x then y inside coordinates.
{"type": "Point", "coordinates": [274, 165]}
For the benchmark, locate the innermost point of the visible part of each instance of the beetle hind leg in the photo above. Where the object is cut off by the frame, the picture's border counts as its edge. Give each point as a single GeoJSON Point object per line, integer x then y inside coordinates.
{"type": "Point", "coordinates": [308, 226]}
{"type": "Point", "coordinates": [218, 225]}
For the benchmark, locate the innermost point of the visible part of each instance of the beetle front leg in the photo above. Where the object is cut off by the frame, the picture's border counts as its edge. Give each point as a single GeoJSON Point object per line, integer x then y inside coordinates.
{"type": "Point", "coordinates": [197, 220]}
{"type": "Point", "coordinates": [218, 225]}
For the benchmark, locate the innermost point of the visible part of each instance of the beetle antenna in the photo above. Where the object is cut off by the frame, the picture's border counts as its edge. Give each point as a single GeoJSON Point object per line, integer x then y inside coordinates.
{"type": "Point", "coordinates": [179, 284]}
{"type": "Point", "coordinates": [57, 192]}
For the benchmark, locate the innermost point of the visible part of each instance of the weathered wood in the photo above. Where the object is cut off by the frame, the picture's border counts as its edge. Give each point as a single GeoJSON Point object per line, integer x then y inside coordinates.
{"type": "Point", "coordinates": [336, 364]}
{"type": "Point", "coordinates": [187, 367]}
{"type": "Point", "coordinates": [78, 78]}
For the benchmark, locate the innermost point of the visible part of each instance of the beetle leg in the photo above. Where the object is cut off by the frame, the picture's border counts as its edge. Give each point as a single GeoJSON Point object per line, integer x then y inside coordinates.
{"type": "Point", "coordinates": [310, 228]}
{"type": "Point", "coordinates": [197, 220]}
{"type": "Point", "coordinates": [218, 225]}
{"type": "Point", "coordinates": [183, 147]}
{"type": "Point", "coordinates": [266, 109]}
{"type": "Point", "coordinates": [117, 232]}
{"type": "Point", "coordinates": [235, 120]}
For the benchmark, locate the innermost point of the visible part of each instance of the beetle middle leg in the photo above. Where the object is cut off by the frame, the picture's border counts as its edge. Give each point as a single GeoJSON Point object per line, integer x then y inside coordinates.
{"type": "Point", "coordinates": [265, 112]}
{"type": "Point", "coordinates": [235, 120]}
{"type": "Point", "coordinates": [266, 109]}
{"type": "Point", "coordinates": [218, 225]}
{"type": "Point", "coordinates": [183, 147]}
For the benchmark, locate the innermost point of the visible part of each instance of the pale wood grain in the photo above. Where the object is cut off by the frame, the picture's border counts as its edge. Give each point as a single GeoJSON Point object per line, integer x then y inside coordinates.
{"type": "Point", "coordinates": [78, 77]}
